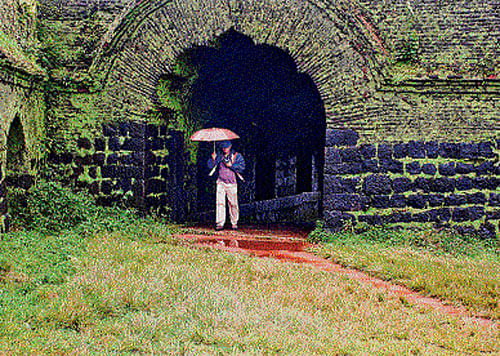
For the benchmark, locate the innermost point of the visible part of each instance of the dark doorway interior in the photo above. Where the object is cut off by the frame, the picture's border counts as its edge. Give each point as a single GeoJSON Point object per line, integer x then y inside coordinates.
{"type": "Point", "coordinates": [16, 147]}
{"type": "Point", "coordinates": [256, 91]}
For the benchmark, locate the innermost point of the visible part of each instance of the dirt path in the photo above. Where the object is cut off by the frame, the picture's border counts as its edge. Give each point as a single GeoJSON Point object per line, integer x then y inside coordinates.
{"type": "Point", "coordinates": [289, 244]}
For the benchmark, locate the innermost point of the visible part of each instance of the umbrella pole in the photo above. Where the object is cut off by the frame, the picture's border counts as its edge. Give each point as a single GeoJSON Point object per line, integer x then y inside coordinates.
{"type": "Point", "coordinates": [214, 146]}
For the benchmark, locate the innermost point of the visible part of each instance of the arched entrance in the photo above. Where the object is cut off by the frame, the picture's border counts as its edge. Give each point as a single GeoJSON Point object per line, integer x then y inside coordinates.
{"type": "Point", "coordinates": [256, 91]}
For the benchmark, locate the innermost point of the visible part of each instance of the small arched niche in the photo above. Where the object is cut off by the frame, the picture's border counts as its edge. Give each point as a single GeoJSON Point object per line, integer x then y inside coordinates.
{"type": "Point", "coordinates": [16, 148]}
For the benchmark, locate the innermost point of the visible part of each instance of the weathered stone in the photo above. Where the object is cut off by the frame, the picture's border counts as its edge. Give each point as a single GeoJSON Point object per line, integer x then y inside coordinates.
{"type": "Point", "coordinates": [447, 169]}
{"type": "Point", "coordinates": [442, 185]}
{"type": "Point", "coordinates": [391, 165]}
{"type": "Point", "coordinates": [435, 200]}
{"type": "Point", "coordinates": [110, 130]}
{"type": "Point", "coordinates": [377, 185]}
{"type": "Point", "coordinates": [466, 230]}
{"type": "Point", "coordinates": [431, 149]}
{"type": "Point", "coordinates": [370, 166]}
{"type": "Point", "coordinates": [448, 150]}
{"type": "Point", "coordinates": [476, 198]}
{"type": "Point", "coordinates": [400, 150]}
{"type": "Point", "coordinates": [150, 158]}
{"type": "Point", "coordinates": [423, 184]}
{"type": "Point", "coordinates": [351, 154]}
{"type": "Point", "coordinates": [336, 137]}
{"type": "Point", "coordinates": [112, 159]}
{"type": "Point", "coordinates": [464, 168]}
{"type": "Point", "coordinates": [133, 144]}
{"type": "Point", "coordinates": [494, 199]}
{"type": "Point", "coordinates": [493, 214]}
{"type": "Point", "coordinates": [380, 201]}
{"type": "Point", "coordinates": [417, 201]}
{"type": "Point", "coordinates": [367, 151]}
{"type": "Point", "coordinates": [99, 144]}
{"type": "Point", "coordinates": [106, 187]}
{"type": "Point", "coordinates": [464, 183]}
{"type": "Point", "coordinates": [84, 143]}
{"type": "Point", "coordinates": [486, 150]}
{"type": "Point", "coordinates": [336, 220]}
{"type": "Point", "coordinates": [332, 156]}
{"type": "Point", "coordinates": [484, 168]}
{"type": "Point", "coordinates": [370, 219]}
{"type": "Point", "coordinates": [151, 131]}
{"type": "Point", "coordinates": [93, 172]}
{"type": "Point", "coordinates": [345, 202]}
{"type": "Point", "coordinates": [468, 150]}
{"type": "Point", "coordinates": [487, 231]}
{"type": "Point", "coordinates": [155, 186]}
{"type": "Point", "coordinates": [416, 149]}
{"type": "Point", "coordinates": [334, 184]}
{"type": "Point", "coordinates": [137, 158]}
{"type": "Point", "coordinates": [402, 184]}
{"type": "Point", "coordinates": [124, 128]}
{"type": "Point", "coordinates": [454, 200]}
{"type": "Point", "coordinates": [397, 201]}
{"type": "Point", "coordinates": [108, 171]}
{"type": "Point", "coordinates": [467, 214]}
{"type": "Point", "coordinates": [132, 172]}
{"type": "Point", "coordinates": [137, 130]}
{"type": "Point", "coordinates": [444, 214]}
{"type": "Point", "coordinates": [151, 171]}
{"type": "Point", "coordinates": [113, 144]}
{"type": "Point", "coordinates": [384, 151]}
{"type": "Point", "coordinates": [429, 168]}
{"type": "Point", "coordinates": [413, 168]}
{"type": "Point", "coordinates": [490, 183]}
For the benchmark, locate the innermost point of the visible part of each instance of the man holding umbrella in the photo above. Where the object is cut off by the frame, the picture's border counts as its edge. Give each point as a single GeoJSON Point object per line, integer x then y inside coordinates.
{"type": "Point", "coordinates": [228, 165]}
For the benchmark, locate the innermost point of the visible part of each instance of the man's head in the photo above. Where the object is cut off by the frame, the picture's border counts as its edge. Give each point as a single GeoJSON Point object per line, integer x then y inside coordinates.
{"type": "Point", "coordinates": [226, 146]}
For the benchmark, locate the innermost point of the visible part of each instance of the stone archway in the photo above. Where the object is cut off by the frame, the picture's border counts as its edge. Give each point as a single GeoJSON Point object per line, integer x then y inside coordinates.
{"type": "Point", "coordinates": [327, 40]}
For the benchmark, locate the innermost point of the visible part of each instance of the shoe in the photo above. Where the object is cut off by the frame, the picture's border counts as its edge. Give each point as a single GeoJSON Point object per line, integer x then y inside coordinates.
{"type": "Point", "coordinates": [219, 228]}
{"type": "Point", "coordinates": [235, 227]}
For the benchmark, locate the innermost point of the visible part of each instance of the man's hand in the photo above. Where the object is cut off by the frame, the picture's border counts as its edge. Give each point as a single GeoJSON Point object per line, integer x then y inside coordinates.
{"type": "Point", "coordinates": [214, 156]}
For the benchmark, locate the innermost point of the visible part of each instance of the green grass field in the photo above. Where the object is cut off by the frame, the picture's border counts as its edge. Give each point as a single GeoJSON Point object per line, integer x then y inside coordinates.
{"type": "Point", "coordinates": [453, 268]}
{"type": "Point", "coordinates": [135, 289]}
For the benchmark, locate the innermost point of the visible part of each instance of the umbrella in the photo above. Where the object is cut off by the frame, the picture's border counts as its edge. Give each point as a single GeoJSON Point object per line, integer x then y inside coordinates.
{"type": "Point", "coordinates": [215, 134]}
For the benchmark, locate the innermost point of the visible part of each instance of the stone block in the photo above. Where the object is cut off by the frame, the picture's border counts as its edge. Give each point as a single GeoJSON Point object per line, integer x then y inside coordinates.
{"type": "Point", "coordinates": [110, 130]}
{"type": "Point", "coordinates": [487, 231]}
{"type": "Point", "coordinates": [494, 199]}
{"type": "Point", "coordinates": [468, 150]}
{"type": "Point", "coordinates": [413, 168]}
{"type": "Point", "coordinates": [93, 172]}
{"type": "Point", "coordinates": [334, 184]}
{"type": "Point", "coordinates": [367, 151]}
{"type": "Point", "coordinates": [370, 166]}
{"type": "Point", "coordinates": [455, 200]}
{"type": "Point", "coordinates": [133, 144]}
{"type": "Point", "coordinates": [486, 150]}
{"type": "Point", "coordinates": [447, 169]}
{"type": "Point", "coordinates": [400, 150]}
{"type": "Point", "coordinates": [391, 165]}
{"type": "Point", "coordinates": [155, 186]}
{"type": "Point", "coordinates": [108, 171]}
{"type": "Point", "coordinates": [377, 185]}
{"type": "Point", "coordinates": [336, 220]}
{"type": "Point", "coordinates": [448, 150]}
{"type": "Point", "coordinates": [476, 198]}
{"type": "Point", "coordinates": [384, 151]}
{"type": "Point", "coordinates": [99, 144]}
{"type": "Point", "coordinates": [464, 168]}
{"type": "Point", "coordinates": [490, 183]}
{"type": "Point", "coordinates": [112, 159]}
{"type": "Point", "coordinates": [431, 149]}
{"type": "Point", "coordinates": [423, 184]}
{"type": "Point", "coordinates": [124, 128]}
{"type": "Point", "coordinates": [332, 156]}
{"type": "Point", "coordinates": [99, 158]}
{"type": "Point", "coordinates": [345, 202]}
{"type": "Point", "coordinates": [371, 219]}
{"type": "Point", "coordinates": [351, 154]}
{"type": "Point", "coordinates": [464, 183]}
{"type": "Point", "coordinates": [485, 168]}
{"type": "Point", "coordinates": [416, 149]}
{"type": "Point", "coordinates": [106, 187]}
{"type": "Point", "coordinates": [402, 184]}
{"type": "Point", "coordinates": [137, 130]}
{"type": "Point", "coordinates": [467, 214]}
{"type": "Point", "coordinates": [84, 143]}
{"type": "Point", "coordinates": [336, 137]}
{"type": "Point", "coordinates": [137, 158]}
{"type": "Point", "coordinates": [444, 214]}
{"type": "Point", "coordinates": [132, 172]}
{"type": "Point", "coordinates": [379, 201]}
{"type": "Point", "coordinates": [151, 171]}
{"type": "Point", "coordinates": [114, 144]}
{"type": "Point", "coordinates": [493, 214]}
{"type": "Point", "coordinates": [442, 185]}
{"type": "Point", "coordinates": [429, 168]}
{"type": "Point", "coordinates": [417, 201]}
{"type": "Point", "coordinates": [397, 201]}
{"type": "Point", "coordinates": [151, 131]}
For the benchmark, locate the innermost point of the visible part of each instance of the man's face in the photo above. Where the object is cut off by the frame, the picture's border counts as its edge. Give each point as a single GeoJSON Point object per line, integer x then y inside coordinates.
{"type": "Point", "coordinates": [226, 150]}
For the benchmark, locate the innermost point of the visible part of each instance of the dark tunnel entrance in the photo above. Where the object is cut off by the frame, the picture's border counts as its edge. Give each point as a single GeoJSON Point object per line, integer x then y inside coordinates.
{"type": "Point", "coordinates": [256, 91]}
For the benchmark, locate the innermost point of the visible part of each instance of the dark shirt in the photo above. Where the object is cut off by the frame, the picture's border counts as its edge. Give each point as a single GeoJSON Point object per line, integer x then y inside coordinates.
{"type": "Point", "coordinates": [227, 174]}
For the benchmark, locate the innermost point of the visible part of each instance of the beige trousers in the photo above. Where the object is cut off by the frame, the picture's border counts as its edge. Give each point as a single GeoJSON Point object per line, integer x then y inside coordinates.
{"type": "Point", "coordinates": [231, 191]}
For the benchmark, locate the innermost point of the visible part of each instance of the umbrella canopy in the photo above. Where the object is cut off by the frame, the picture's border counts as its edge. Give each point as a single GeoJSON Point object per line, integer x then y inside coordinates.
{"type": "Point", "coordinates": [214, 134]}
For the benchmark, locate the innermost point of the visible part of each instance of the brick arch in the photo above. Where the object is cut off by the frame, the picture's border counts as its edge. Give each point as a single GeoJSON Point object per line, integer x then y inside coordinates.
{"type": "Point", "coordinates": [332, 41]}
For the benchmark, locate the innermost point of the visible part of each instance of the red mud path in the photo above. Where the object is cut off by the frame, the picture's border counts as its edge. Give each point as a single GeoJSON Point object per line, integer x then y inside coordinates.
{"type": "Point", "coordinates": [289, 244]}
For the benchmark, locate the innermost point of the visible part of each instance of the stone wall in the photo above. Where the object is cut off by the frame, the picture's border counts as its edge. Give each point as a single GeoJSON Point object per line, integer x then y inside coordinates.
{"type": "Point", "coordinates": [400, 183]}
{"type": "Point", "coordinates": [130, 164]}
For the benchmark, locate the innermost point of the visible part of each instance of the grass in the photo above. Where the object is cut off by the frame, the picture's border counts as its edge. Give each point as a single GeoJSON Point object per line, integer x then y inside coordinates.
{"type": "Point", "coordinates": [440, 264]}
{"type": "Point", "coordinates": [135, 289]}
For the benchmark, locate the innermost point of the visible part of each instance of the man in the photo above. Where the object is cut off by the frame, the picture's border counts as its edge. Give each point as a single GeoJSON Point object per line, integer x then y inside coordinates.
{"type": "Point", "coordinates": [229, 164]}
